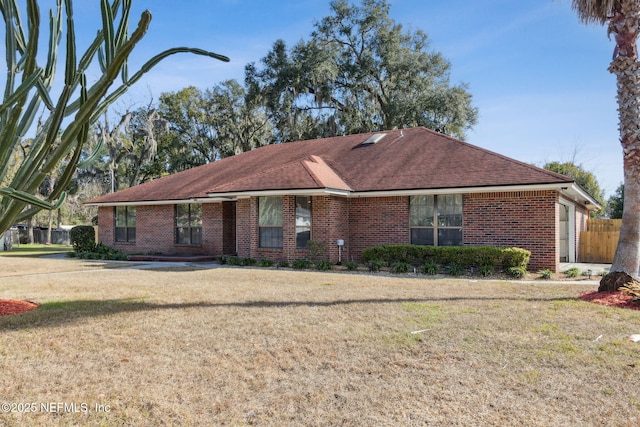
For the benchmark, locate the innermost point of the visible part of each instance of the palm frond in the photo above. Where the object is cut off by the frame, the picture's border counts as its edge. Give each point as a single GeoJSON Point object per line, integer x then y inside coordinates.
{"type": "Point", "coordinates": [595, 11]}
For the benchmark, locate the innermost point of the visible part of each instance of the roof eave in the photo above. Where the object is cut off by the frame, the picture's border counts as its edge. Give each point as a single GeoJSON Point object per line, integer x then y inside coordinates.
{"type": "Point", "coordinates": [463, 190]}
{"type": "Point", "coordinates": [569, 189]}
{"type": "Point", "coordinates": [577, 194]}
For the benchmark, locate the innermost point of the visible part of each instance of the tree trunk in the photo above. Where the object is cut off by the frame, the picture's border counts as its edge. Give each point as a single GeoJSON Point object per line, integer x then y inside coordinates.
{"type": "Point", "coordinates": [48, 242]}
{"type": "Point", "coordinates": [30, 239]}
{"type": "Point", "coordinates": [625, 66]}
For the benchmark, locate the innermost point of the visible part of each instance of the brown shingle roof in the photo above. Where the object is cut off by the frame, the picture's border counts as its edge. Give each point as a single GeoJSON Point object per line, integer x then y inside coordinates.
{"type": "Point", "coordinates": [408, 159]}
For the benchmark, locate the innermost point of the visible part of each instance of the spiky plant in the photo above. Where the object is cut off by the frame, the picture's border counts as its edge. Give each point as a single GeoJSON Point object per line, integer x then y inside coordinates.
{"type": "Point", "coordinates": [63, 132]}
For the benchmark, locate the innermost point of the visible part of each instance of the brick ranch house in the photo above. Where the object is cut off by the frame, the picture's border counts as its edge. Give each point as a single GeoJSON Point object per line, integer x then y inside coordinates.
{"type": "Point", "coordinates": [397, 187]}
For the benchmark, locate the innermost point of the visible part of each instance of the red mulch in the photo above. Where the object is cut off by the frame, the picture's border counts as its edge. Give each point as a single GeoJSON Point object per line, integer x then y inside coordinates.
{"type": "Point", "coordinates": [614, 299]}
{"type": "Point", "coordinates": [9, 306]}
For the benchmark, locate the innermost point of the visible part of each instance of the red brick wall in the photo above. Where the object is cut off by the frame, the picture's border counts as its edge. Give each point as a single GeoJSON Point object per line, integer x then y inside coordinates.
{"type": "Point", "coordinates": [328, 223]}
{"type": "Point", "coordinates": [106, 225]}
{"type": "Point", "coordinates": [155, 231]}
{"type": "Point", "coordinates": [527, 220]}
{"type": "Point", "coordinates": [523, 219]}
{"type": "Point", "coordinates": [377, 221]}
{"type": "Point", "coordinates": [246, 216]}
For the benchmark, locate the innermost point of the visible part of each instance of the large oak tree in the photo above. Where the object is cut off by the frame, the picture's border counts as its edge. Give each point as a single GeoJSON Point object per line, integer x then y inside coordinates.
{"type": "Point", "coordinates": [359, 72]}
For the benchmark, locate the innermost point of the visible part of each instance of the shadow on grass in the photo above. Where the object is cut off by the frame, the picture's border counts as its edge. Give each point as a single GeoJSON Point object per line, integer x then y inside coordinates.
{"type": "Point", "coordinates": [56, 313]}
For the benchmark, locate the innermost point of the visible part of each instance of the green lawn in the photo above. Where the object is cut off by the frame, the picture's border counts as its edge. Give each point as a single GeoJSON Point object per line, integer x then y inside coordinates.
{"type": "Point", "coordinates": [241, 346]}
{"type": "Point", "coordinates": [35, 250]}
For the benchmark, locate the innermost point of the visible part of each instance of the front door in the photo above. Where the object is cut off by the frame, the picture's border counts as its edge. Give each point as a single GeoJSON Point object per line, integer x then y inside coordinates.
{"type": "Point", "coordinates": [229, 228]}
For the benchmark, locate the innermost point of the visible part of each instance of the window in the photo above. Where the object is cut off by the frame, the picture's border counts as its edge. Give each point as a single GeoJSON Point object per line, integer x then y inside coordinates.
{"type": "Point", "coordinates": [270, 222]}
{"type": "Point", "coordinates": [189, 224]}
{"type": "Point", "coordinates": [303, 221]}
{"type": "Point", "coordinates": [125, 224]}
{"type": "Point", "coordinates": [436, 220]}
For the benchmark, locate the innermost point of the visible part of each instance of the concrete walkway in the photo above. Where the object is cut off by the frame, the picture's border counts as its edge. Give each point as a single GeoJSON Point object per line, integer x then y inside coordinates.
{"type": "Point", "coordinates": [596, 269]}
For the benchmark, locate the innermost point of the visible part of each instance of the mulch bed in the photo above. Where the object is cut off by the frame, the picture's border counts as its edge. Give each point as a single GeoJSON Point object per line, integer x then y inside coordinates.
{"type": "Point", "coordinates": [8, 307]}
{"type": "Point", "coordinates": [614, 299]}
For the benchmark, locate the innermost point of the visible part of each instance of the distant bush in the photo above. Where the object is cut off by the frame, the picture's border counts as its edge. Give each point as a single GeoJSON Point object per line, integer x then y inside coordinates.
{"type": "Point", "coordinates": [485, 270]}
{"type": "Point", "coordinates": [248, 262]}
{"type": "Point", "coordinates": [83, 238]}
{"type": "Point", "coordinates": [301, 264]}
{"type": "Point", "coordinates": [233, 260]}
{"type": "Point", "coordinates": [401, 267]}
{"type": "Point", "coordinates": [430, 268]}
{"type": "Point", "coordinates": [265, 263]}
{"type": "Point", "coordinates": [351, 265]}
{"type": "Point", "coordinates": [572, 272]}
{"type": "Point", "coordinates": [545, 274]}
{"type": "Point", "coordinates": [517, 272]}
{"type": "Point", "coordinates": [283, 264]}
{"type": "Point", "coordinates": [454, 269]}
{"type": "Point", "coordinates": [323, 266]}
{"type": "Point", "coordinates": [464, 256]}
{"type": "Point", "coordinates": [375, 265]}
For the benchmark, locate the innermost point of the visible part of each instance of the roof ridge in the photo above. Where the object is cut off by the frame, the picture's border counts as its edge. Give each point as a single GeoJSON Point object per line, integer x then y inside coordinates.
{"type": "Point", "coordinates": [501, 156]}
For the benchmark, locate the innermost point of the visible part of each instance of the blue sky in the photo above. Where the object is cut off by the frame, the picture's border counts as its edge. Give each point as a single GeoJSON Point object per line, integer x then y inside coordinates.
{"type": "Point", "coordinates": [537, 75]}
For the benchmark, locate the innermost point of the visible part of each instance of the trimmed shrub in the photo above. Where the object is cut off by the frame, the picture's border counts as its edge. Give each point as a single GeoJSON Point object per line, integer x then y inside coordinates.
{"type": "Point", "coordinates": [515, 257]}
{"type": "Point", "coordinates": [83, 238]}
{"type": "Point", "coordinates": [465, 256]}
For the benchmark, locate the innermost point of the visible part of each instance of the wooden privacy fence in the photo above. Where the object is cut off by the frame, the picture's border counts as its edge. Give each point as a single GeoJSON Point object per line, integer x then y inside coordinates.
{"type": "Point", "coordinates": [598, 244]}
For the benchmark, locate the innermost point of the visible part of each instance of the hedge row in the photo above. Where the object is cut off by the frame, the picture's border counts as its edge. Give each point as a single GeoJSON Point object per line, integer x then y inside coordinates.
{"type": "Point", "coordinates": [463, 256]}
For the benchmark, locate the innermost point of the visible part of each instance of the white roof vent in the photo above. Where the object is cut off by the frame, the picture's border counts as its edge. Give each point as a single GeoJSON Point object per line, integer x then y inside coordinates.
{"type": "Point", "coordinates": [374, 138]}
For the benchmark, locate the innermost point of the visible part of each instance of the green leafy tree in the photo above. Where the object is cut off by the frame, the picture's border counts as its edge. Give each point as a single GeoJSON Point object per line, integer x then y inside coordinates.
{"type": "Point", "coordinates": [621, 18]}
{"type": "Point", "coordinates": [240, 125]}
{"type": "Point", "coordinates": [583, 178]}
{"type": "Point", "coordinates": [190, 140]}
{"type": "Point", "coordinates": [359, 72]}
{"type": "Point", "coordinates": [615, 204]}
{"type": "Point", "coordinates": [68, 118]}
{"type": "Point", "coordinates": [205, 126]}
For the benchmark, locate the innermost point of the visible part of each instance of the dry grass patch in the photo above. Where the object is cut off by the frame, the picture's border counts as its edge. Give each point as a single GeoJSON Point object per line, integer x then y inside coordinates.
{"type": "Point", "coordinates": [242, 346]}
